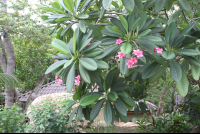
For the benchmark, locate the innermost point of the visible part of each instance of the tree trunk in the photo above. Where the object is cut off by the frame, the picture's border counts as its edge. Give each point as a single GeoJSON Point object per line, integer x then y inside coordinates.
{"type": "Point", "coordinates": [162, 98]}
{"type": "Point", "coordinates": [35, 91]}
{"type": "Point", "coordinates": [172, 102]}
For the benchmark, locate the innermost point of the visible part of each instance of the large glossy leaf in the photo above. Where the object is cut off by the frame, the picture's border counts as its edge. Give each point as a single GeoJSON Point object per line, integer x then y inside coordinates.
{"type": "Point", "coordinates": [84, 74]}
{"type": "Point", "coordinates": [107, 51]}
{"type": "Point", "coordinates": [168, 5]}
{"type": "Point", "coordinates": [170, 31]}
{"type": "Point", "coordinates": [66, 29]}
{"type": "Point", "coordinates": [108, 112]}
{"type": "Point", "coordinates": [151, 38]}
{"type": "Point", "coordinates": [94, 77]}
{"type": "Point", "coordinates": [150, 70]}
{"type": "Point", "coordinates": [149, 3]}
{"type": "Point", "coordinates": [192, 60]}
{"type": "Point", "coordinates": [123, 66]}
{"type": "Point", "coordinates": [82, 26]}
{"type": "Point", "coordinates": [80, 113]}
{"type": "Point", "coordinates": [54, 66]}
{"type": "Point", "coordinates": [138, 8]}
{"type": "Point", "coordinates": [61, 46]}
{"type": "Point", "coordinates": [184, 4]}
{"type": "Point", "coordinates": [110, 29]}
{"type": "Point", "coordinates": [156, 58]}
{"type": "Point", "coordinates": [128, 100]}
{"type": "Point", "coordinates": [126, 47]}
{"type": "Point", "coordinates": [93, 53]}
{"type": "Point", "coordinates": [188, 52]}
{"type": "Point", "coordinates": [112, 96]}
{"type": "Point", "coordinates": [160, 4]}
{"type": "Point", "coordinates": [182, 85]}
{"type": "Point", "coordinates": [158, 73]}
{"type": "Point", "coordinates": [102, 64]}
{"type": "Point", "coordinates": [109, 79]}
{"type": "Point", "coordinates": [69, 4]}
{"type": "Point", "coordinates": [116, 22]}
{"type": "Point", "coordinates": [70, 79]}
{"type": "Point", "coordinates": [96, 109]}
{"type": "Point", "coordinates": [129, 4]}
{"type": "Point", "coordinates": [106, 4]}
{"type": "Point", "coordinates": [88, 64]}
{"type": "Point", "coordinates": [89, 99]}
{"type": "Point", "coordinates": [124, 22]}
{"type": "Point", "coordinates": [50, 9]}
{"type": "Point", "coordinates": [175, 70]}
{"type": "Point", "coordinates": [120, 107]}
{"type": "Point", "coordinates": [195, 72]}
{"type": "Point", "coordinates": [118, 87]}
{"type": "Point", "coordinates": [84, 44]}
{"type": "Point", "coordinates": [143, 33]}
{"type": "Point", "coordinates": [168, 55]}
{"type": "Point", "coordinates": [143, 107]}
{"type": "Point", "coordinates": [92, 46]}
{"type": "Point", "coordinates": [174, 16]}
{"type": "Point", "coordinates": [95, 31]}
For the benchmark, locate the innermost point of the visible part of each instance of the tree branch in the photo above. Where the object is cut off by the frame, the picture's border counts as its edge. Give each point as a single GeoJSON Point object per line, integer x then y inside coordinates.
{"type": "Point", "coordinates": [166, 14]}
{"type": "Point", "coordinates": [184, 16]}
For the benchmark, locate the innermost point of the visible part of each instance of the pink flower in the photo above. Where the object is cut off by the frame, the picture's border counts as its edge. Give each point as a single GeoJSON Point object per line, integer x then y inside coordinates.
{"type": "Point", "coordinates": [77, 80]}
{"type": "Point", "coordinates": [118, 41]}
{"type": "Point", "coordinates": [121, 55]}
{"type": "Point", "coordinates": [147, 113]}
{"type": "Point", "coordinates": [88, 44]}
{"type": "Point", "coordinates": [138, 53]}
{"type": "Point", "coordinates": [56, 61]}
{"type": "Point", "coordinates": [56, 77]}
{"type": "Point", "coordinates": [134, 60]}
{"type": "Point", "coordinates": [159, 50]}
{"type": "Point", "coordinates": [59, 81]}
{"type": "Point", "coordinates": [54, 54]}
{"type": "Point", "coordinates": [130, 63]}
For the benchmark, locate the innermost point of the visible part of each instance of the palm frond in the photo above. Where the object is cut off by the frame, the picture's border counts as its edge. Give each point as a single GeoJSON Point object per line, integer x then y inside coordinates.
{"type": "Point", "coordinates": [8, 80]}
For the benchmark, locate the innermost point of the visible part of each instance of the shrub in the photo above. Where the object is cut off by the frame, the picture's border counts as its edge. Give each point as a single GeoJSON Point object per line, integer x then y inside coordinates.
{"type": "Point", "coordinates": [11, 120]}
{"type": "Point", "coordinates": [45, 118]}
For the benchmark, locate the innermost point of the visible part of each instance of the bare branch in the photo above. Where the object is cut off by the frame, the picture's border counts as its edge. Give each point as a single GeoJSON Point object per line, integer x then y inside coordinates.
{"type": "Point", "coordinates": [184, 16]}
{"type": "Point", "coordinates": [166, 14]}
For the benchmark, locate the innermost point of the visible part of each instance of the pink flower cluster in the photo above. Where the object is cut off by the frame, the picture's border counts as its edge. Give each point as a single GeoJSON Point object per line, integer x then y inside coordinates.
{"type": "Point", "coordinates": [58, 80]}
{"type": "Point", "coordinates": [77, 80]}
{"type": "Point", "coordinates": [159, 50]}
{"type": "Point", "coordinates": [131, 62]}
{"type": "Point", "coordinates": [138, 53]}
{"type": "Point", "coordinates": [118, 41]}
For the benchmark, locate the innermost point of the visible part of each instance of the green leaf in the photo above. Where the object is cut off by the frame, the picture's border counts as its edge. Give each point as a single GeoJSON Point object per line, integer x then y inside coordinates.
{"type": "Point", "coordinates": [124, 22]}
{"type": "Point", "coordinates": [128, 100]}
{"type": "Point", "coordinates": [94, 77]}
{"type": "Point", "coordinates": [198, 49]}
{"type": "Point", "coordinates": [149, 3]}
{"type": "Point", "coordinates": [61, 46]}
{"type": "Point", "coordinates": [80, 113]}
{"type": "Point", "coordinates": [82, 26]}
{"type": "Point", "coordinates": [126, 48]}
{"type": "Point", "coordinates": [184, 4]}
{"type": "Point", "coordinates": [168, 5]}
{"type": "Point", "coordinates": [108, 51]}
{"type": "Point", "coordinates": [143, 107]}
{"type": "Point", "coordinates": [108, 112]}
{"type": "Point", "coordinates": [50, 9]}
{"type": "Point", "coordinates": [185, 65]}
{"type": "Point", "coordinates": [83, 44]}
{"type": "Point", "coordinates": [118, 87]}
{"type": "Point", "coordinates": [174, 16]}
{"type": "Point", "coordinates": [83, 16]}
{"type": "Point", "coordinates": [158, 73]}
{"type": "Point", "coordinates": [65, 102]}
{"type": "Point", "coordinates": [96, 109]}
{"type": "Point", "coordinates": [69, 105]}
{"type": "Point", "coordinates": [106, 4]}
{"type": "Point", "coordinates": [160, 4]}
{"type": "Point", "coordinates": [92, 46]}
{"type": "Point", "coordinates": [192, 60]}
{"type": "Point", "coordinates": [102, 64]}
{"type": "Point", "coordinates": [71, 117]}
{"type": "Point", "coordinates": [156, 58]}
{"type": "Point", "coordinates": [88, 64]}
{"type": "Point", "coordinates": [175, 70]}
{"type": "Point", "coordinates": [109, 79]}
{"type": "Point", "coordinates": [54, 66]}
{"type": "Point", "coordinates": [143, 33]}
{"type": "Point", "coordinates": [95, 31]}
{"type": "Point", "coordinates": [168, 55]}
{"type": "Point", "coordinates": [151, 38]}
{"type": "Point", "coordinates": [122, 94]}
{"type": "Point", "coordinates": [136, 111]}
{"type": "Point", "coordinates": [123, 118]}
{"type": "Point", "coordinates": [123, 67]}
{"type": "Point", "coordinates": [138, 8]}
{"type": "Point", "coordinates": [116, 22]}
{"type": "Point", "coordinates": [129, 4]}
{"type": "Point", "coordinates": [150, 70]}
{"type": "Point", "coordinates": [115, 28]}
{"type": "Point", "coordinates": [196, 100]}
{"type": "Point", "coordinates": [170, 31]}
{"type": "Point", "coordinates": [84, 74]}
{"type": "Point", "coordinates": [89, 99]}
{"type": "Point", "coordinates": [182, 85]}
{"type": "Point", "coordinates": [112, 96]}
{"type": "Point", "coordinates": [93, 53]}
{"type": "Point", "coordinates": [111, 32]}
{"type": "Point", "coordinates": [74, 43]}
{"type": "Point", "coordinates": [69, 4]}
{"type": "Point", "coordinates": [103, 11]}
{"type": "Point", "coordinates": [188, 52]}
{"type": "Point", "coordinates": [195, 72]}
{"type": "Point", "coordinates": [70, 79]}
{"type": "Point", "coordinates": [120, 107]}
{"type": "Point", "coordinates": [68, 63]}
{"type": "Point", "coordinates": [66, 29]}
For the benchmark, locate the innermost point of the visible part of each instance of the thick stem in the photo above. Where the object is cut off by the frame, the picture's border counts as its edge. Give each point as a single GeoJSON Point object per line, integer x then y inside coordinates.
{"type": "Point", "coordinates": [162, 98]}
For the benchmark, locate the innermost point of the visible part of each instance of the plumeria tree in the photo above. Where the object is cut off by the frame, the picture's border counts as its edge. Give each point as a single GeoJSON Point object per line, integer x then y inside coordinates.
{"type": "Point", "coordinates": [121, 48]}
